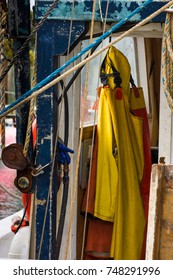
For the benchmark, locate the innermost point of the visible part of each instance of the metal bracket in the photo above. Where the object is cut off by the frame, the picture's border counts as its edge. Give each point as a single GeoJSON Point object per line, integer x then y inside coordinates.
{"type": "Point", "coordinates": [12, 157]}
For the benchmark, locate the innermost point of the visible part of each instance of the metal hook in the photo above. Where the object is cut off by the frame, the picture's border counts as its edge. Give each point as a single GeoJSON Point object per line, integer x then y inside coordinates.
{"type": "Point", "coordinates": [39, 170]}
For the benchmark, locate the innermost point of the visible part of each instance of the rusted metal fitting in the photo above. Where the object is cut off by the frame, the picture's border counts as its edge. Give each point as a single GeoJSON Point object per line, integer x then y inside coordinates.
{"type": "Point", "coordinates": [12, 157]}
{"type": "Point", "coordinates": [23, 181]}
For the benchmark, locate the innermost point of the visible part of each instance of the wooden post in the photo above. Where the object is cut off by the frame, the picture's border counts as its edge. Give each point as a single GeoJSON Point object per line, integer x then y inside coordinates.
{"type": "Point", "coordinates": [160, 222]}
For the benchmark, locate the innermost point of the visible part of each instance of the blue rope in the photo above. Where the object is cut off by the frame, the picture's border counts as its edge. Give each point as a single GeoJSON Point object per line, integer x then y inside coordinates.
{"type": "Point", "coordinates": [63, 156]}
{"type": "Point", "coordinates": [89, 47]}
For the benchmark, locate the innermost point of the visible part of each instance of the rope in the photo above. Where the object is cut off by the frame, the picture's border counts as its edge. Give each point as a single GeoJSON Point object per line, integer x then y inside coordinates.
{"type": "Point", "coordinates": [80, 139]}
{"type": "Point", "coordinates": [31, 109]}
{"type": "Point", "coordinates": [20, 51]}
{"type": "Point", "coordinates": [33, 92]}
{"type": "Point", "coordinates": [100, 8]}
{"type": "Point", "coordinates": [41, 85]}
{"type": "Point", "coordinates": [167, 60]}
{"type": "Point", "coordinates": [9, 192]}
{"type": "Point", "coordinates": [3, 23]}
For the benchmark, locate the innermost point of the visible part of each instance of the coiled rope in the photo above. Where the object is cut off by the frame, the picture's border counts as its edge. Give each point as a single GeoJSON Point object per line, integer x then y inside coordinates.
{"type": "Point", "coordinates": [167, 60]}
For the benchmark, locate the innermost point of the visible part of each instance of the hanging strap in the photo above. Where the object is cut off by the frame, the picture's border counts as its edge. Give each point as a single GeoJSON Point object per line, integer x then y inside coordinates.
{"type": "Point", "coordinates": [104, 77]}
{"type": "Point", "coordinates": [117, 79]}
{"type": "Point", "coordinates": [134, 87]}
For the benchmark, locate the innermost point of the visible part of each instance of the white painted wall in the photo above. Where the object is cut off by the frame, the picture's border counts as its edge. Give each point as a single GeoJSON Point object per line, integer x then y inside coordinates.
{"type": "Point", "coordinates": [74, 122]}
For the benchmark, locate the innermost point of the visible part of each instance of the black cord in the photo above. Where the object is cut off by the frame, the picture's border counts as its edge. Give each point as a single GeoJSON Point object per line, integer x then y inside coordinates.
{"type": "Point", "coordinates": [23, 217]}
{"type": "Point", "coordinates": [66, 111]}
{"type": "Point", "coordinates": [63, 211]}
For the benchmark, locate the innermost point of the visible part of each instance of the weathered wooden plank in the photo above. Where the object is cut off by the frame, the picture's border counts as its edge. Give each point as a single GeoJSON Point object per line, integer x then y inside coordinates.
{"type": "Point", "coordinates": [166, 219]}
{"type": "Point", "coordinates": [160, 222]}
{"type": "Point", "coordinates": [165, 129]}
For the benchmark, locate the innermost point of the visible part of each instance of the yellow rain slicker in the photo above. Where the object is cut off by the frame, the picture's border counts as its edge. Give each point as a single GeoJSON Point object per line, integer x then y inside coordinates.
{"type": "Point", "coordinates": [120, 163]}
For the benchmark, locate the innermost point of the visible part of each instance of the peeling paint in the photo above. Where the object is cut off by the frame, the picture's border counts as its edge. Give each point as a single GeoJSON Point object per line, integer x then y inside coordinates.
{"type": "Point", "coordinates": [40, 202]}
{"type": "Point", "coordinates": [83, 10]}
{"type": "Point", "coordinates": [48, 137]}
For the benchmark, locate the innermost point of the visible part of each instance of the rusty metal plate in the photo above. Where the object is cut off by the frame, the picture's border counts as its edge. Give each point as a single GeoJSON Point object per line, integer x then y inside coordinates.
{"type": "Point", "coordinates": [23, 181]}
{"type": "Point", "coordinates": [12, 157]}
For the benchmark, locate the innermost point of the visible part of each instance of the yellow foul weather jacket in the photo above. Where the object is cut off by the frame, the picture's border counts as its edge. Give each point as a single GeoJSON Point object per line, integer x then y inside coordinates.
{"type": "Point", "coordinates": [120, 162]}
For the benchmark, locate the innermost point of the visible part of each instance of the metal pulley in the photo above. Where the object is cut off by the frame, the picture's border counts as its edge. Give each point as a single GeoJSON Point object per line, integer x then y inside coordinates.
{"type": "Point", "coordinates": [13, 157]}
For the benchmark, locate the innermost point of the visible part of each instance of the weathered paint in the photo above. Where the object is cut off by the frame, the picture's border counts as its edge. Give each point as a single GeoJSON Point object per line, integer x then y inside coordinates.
{"type": "Point", "coordinates": [52, 40]}
{"type": "Point", "coordinates": [59, 31]}
{"type": "Point", "coordinates": [41, 202]}
{"type": "Point", "coordinates": [83, 10]}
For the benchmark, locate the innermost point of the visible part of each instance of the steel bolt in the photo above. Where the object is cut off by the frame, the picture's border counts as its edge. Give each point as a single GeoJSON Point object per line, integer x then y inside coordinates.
{"type": "Point", "coordinates": [23, 182]}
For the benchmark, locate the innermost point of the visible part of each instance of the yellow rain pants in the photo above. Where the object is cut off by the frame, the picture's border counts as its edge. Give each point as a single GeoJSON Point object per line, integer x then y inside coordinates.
{"type": "Point", "coordinates": [120, 164]}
